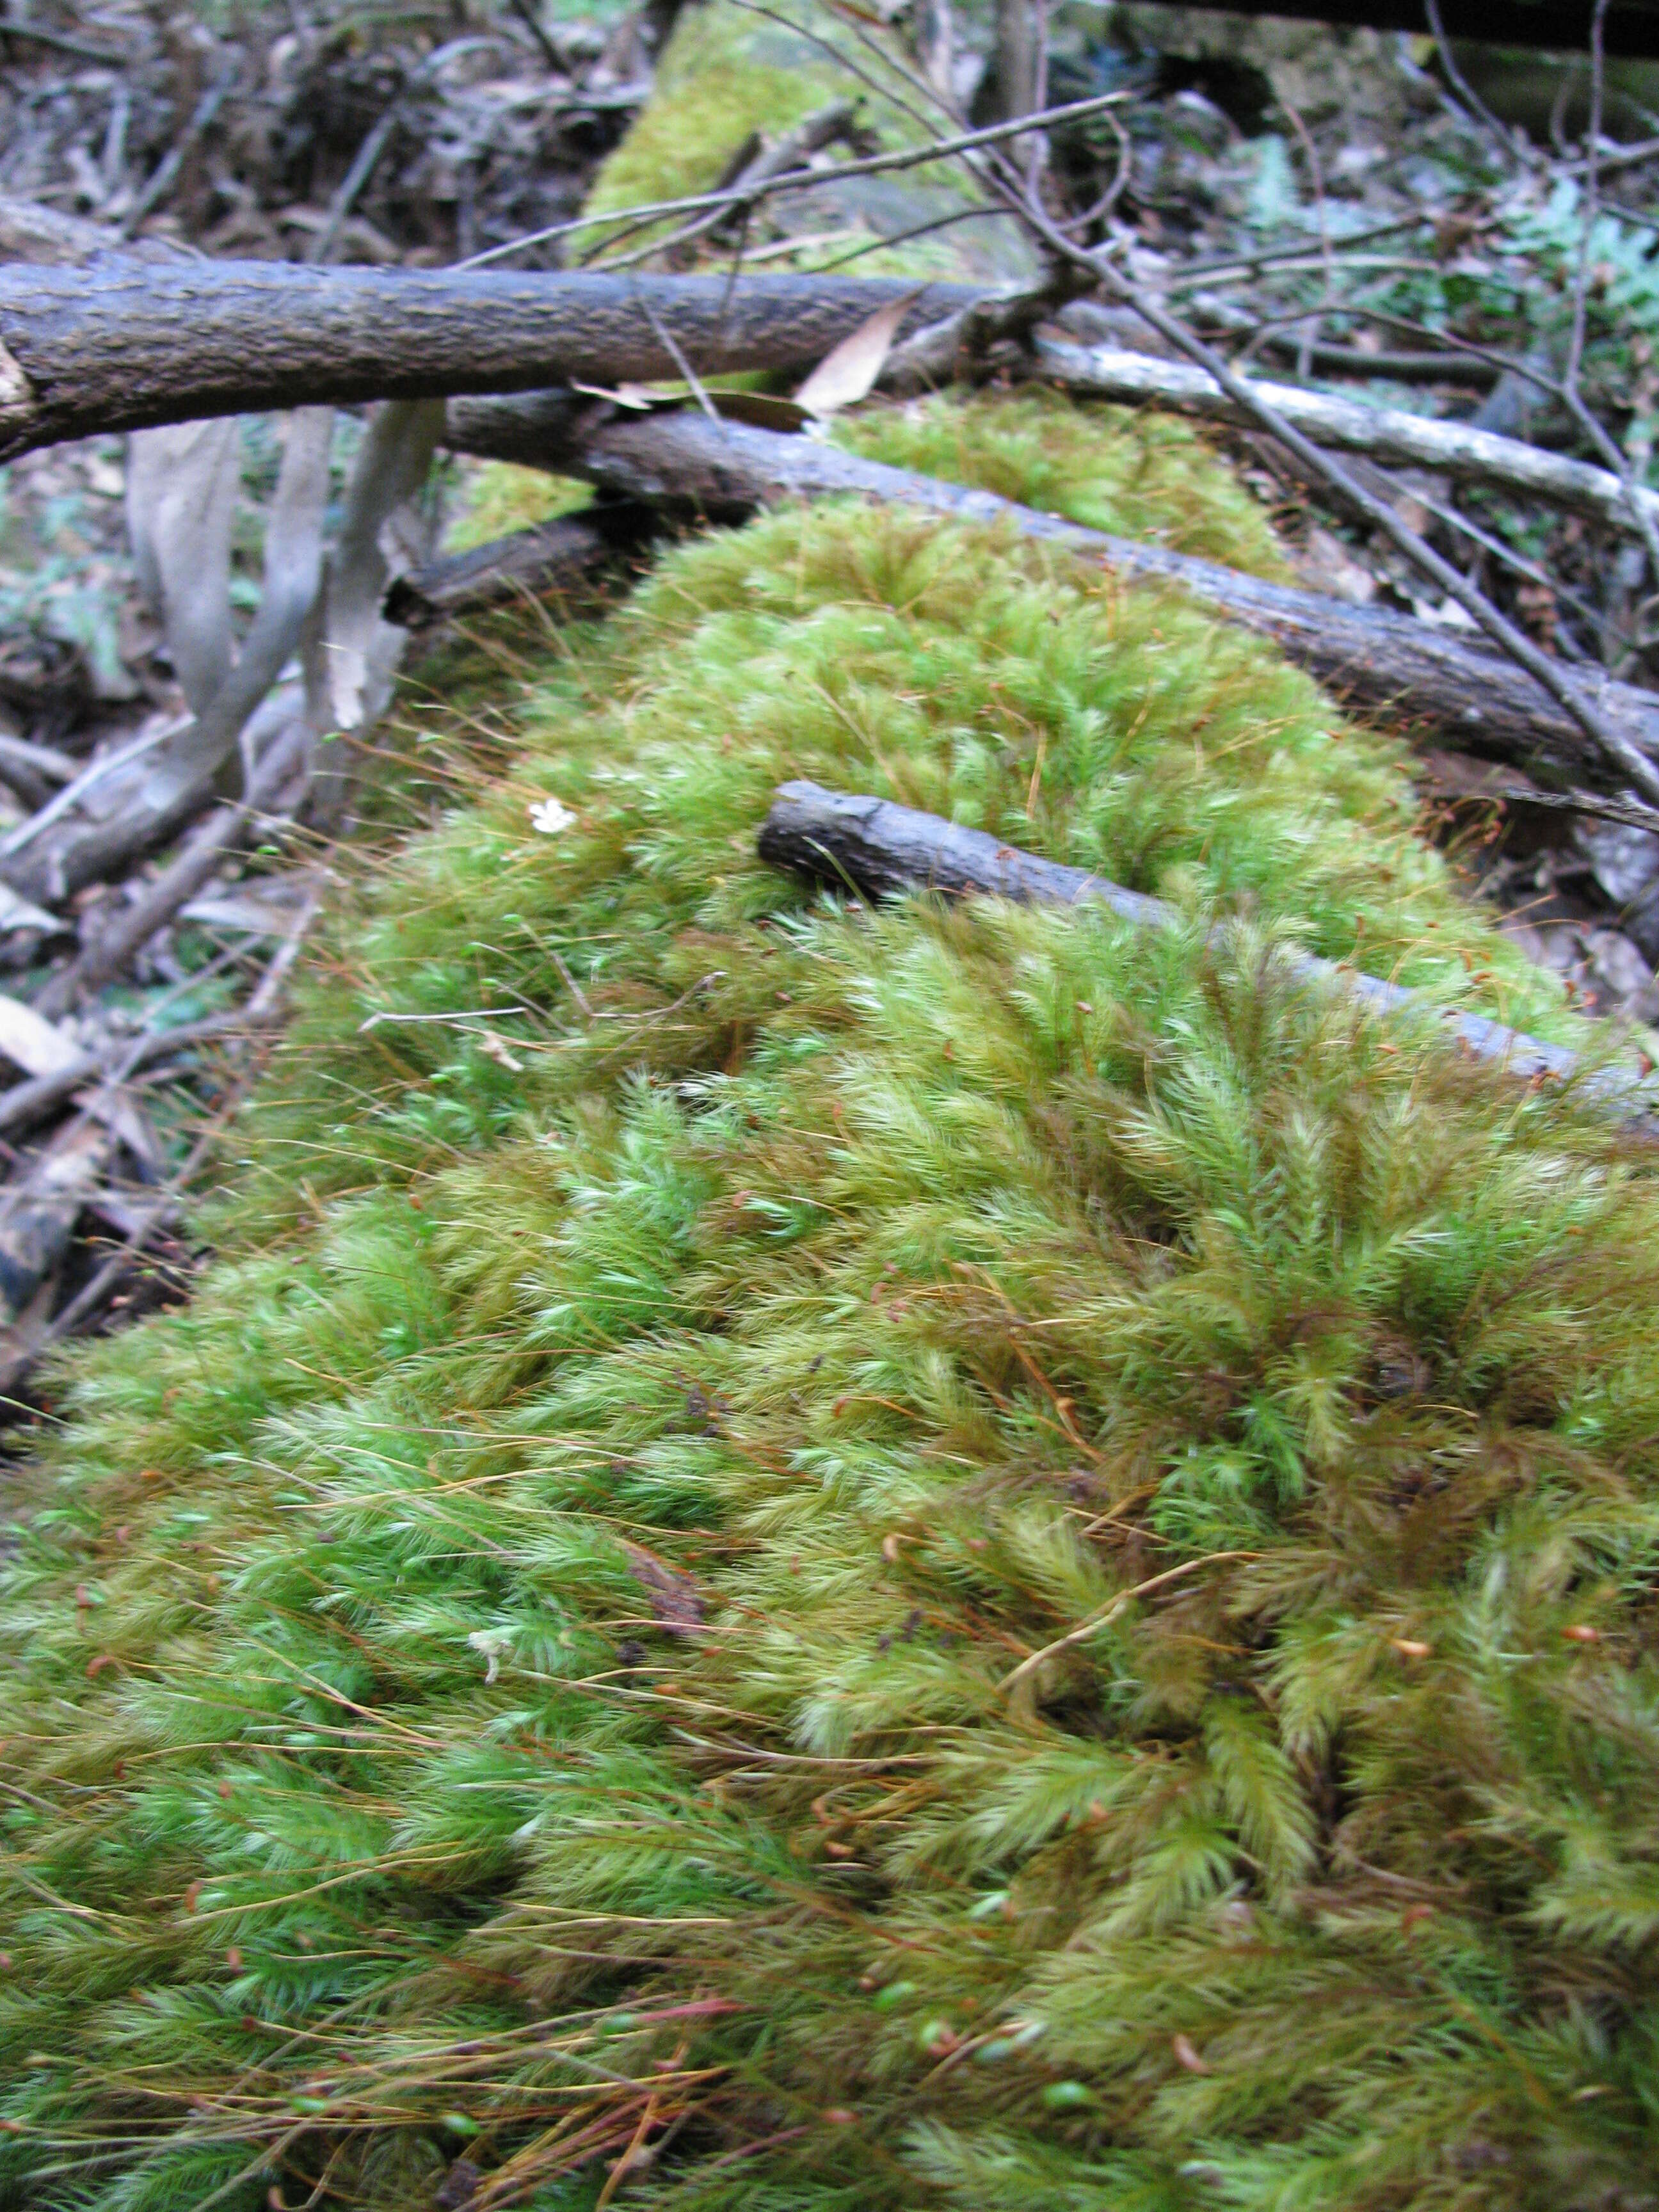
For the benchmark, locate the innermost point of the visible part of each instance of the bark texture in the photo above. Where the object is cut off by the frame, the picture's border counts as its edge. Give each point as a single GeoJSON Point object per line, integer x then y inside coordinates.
{"type": "Point", "coordinates": [120, 344]}
{"type": "Point", "coordinates": [1378, 660]}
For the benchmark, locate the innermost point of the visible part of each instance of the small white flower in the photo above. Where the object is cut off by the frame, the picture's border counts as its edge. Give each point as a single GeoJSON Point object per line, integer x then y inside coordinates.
{"type": "Point", "coordinates": [550, 817]}
{"type": "Point", "coordinates": [492, 1643]}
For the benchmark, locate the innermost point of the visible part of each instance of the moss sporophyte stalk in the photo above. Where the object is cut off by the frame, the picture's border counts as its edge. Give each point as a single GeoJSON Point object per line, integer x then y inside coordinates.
{"type": "Point", "coordinates": [549, 1713]}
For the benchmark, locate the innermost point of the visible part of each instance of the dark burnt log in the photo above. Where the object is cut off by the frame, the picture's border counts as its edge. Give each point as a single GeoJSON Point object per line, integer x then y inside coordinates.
{"type": "Point", "coordinates": [121, 344]}
{"type": "Point", "coordinates": [1631, 28]}
{"type": "Point", "coordinates": [875, 846]}
{"type": "Point", "coordinates": [571, 552]}
{"type": "Point", "coordinates": [1379, 662]}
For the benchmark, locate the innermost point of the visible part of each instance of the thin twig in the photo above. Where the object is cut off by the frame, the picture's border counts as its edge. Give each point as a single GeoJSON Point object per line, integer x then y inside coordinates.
{"type": "Point", "coordinates": [1614, 748]}
{"type": "Point", "coordinates": [1476, 107]}
{"type": "Point", "coordinates": [60, 42]}
{"type": "Point", "coordinates": [1110, 1612]}
{"type": "Point", "coordinates": [1582, 415]}
{"type": "Point", "coordinates": [1316, 178]}
{"type": "Point", "coordinates": [1592, 190]}
{"type": "Point", "coordinates": [167, 172]}
{"type": "Point", "coordinates": [26, 1103]}
{"type": "Point", "coordinates": [676, 353]}
{"type": "Point", "coordinates": [182, 876]}
{"type": "Point", "coordinates": [367, 156]}
{"type": "Point", "coordinates": [872, 165]}
{"type": "Point", "coordinates": [532, 23]}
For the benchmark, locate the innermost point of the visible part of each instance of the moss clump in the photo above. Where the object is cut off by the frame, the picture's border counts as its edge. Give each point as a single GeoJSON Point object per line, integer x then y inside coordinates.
{"type": "Point", "coordinates": [499, 498]}
{"type": "Point", "coordinates": [1147, 477]}
{"type": "Point", "coordinates": [718, 81]}
{"type": "Point", "coordinates": [931, 1557]}
{"type": "Point", "coordinates": [729, 72]}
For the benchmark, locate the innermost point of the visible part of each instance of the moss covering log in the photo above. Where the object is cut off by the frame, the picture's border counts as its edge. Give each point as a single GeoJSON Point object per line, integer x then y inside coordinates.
{"type": "Point", "coordinates": [808, 1558]}
{"type": "Point", "coordinates": [1387, 663]}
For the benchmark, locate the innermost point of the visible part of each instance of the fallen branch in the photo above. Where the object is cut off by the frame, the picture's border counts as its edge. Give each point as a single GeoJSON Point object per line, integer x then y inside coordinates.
{"type": "Point", "coordinates": [1379, 661]}
{"type": "Point", "coordinates": [200, 855]}
{"type": "Point", "coordinates": [878, 847]}
{"type": "Point", "coordinates": [46, 235]}
{"type": "Point", "coordinates": [24, 1103]}
{"type": "Point", "coordinates": [570, 551]}
{"type": "Point", "coordinates": [1603, 733]}
{"type": "Point", "coordinates": [1387, 434]}
{"type": "Point", "coordinates": [120, 343]}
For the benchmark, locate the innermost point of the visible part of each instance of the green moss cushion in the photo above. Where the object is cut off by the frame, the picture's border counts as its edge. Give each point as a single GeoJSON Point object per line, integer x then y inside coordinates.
{"type": "Point", "coordinates": [807, 1558]}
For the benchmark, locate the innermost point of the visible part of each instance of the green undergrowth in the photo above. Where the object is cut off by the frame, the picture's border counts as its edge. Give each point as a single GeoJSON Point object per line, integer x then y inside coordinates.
{"type": "Point", "coordinates": [733, 78]}
{"type": "Point", "coordinates": [501, 497]}
{"type": "Point", "coordinates": [886, 1558]}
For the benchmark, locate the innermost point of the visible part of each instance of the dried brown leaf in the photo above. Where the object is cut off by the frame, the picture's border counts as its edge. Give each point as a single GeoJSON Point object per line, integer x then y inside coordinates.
{"type": "Point", "coordinates": [848, 371]}
{"type": "Point", "coordinates": [674, 1598]}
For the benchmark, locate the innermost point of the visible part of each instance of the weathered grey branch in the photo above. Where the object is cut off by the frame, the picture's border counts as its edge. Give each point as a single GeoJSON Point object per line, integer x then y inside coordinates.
{"type": "Point", "coordinates": [1388, 433]}
{"type": "Point", "coordinates": [1379, 661]}
{"type": "Point", "coordinates": [203, 853]}
{"type": "Point", "coordinates": [120, 344]}
{"type": "Point", "coordinates": [24, 1103]}
{"type": "Point", "coordinates": [873, 846]}
{"type": "Point", "coordinates": [31, 232]}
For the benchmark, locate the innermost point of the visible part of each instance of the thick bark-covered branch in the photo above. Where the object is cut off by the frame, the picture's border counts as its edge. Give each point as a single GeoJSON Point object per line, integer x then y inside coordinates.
{"type": "Point", "coordinates": [121, 344]}
{"type": "Point", "coordinates": [872, 845]}
{"type": "Point", "coordinates": [1378, 660]}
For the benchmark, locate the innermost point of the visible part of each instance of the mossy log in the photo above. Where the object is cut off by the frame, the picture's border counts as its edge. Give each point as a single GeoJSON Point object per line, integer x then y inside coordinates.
{"type": "Point", "coordinates": [1382, 662]}
{"type": "Point", "coordinates": [908, 1558]}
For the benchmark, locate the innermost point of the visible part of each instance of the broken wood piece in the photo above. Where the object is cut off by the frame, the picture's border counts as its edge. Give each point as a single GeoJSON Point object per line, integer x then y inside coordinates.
{"type": "Point", "coordinates": [1386, 434]}
{"type": "Point", "coordinates": [570, 551]}
{"type": "Point", "coordinates": [42, 1050]}
{"type": "Point", "coordinates": [39, 1209]}
{"type": "Point", "coordinates": [24, 1103]}
{"type": "Point", "coordinates": [265, 907]}
{"type": "Point", "coordinates": [120, 343]}
{"type": "Point", "coordinates": [876, 847]}
{"type": "Point", "coordinates": [185, 874]}
{"type": "Point", "coordinates": [1374, 660]}
{"type": "Point", "coordinates": [44, 762]}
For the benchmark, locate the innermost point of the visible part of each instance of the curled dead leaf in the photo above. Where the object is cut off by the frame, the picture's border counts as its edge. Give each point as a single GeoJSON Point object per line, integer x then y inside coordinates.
{"type": "Point", "coordinates": [849, 371]}
{"type": "Point", "coordinates": [674, 1598]}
